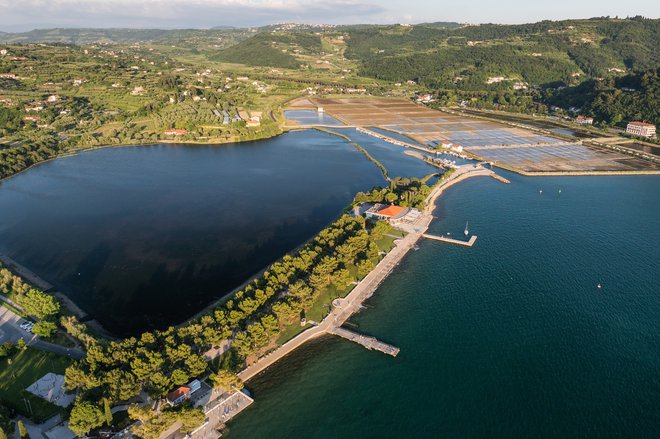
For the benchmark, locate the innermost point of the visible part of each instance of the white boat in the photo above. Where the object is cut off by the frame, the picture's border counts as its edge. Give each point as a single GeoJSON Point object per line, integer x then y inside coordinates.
{"type": "Point", "coordinates": [540, 191]}
{"type": "Point", "coordinates": [466, 232]}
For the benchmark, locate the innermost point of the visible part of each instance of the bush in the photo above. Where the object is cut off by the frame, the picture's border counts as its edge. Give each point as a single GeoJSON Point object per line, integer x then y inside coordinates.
{"type": "Point", "coordinates": [6, 349]}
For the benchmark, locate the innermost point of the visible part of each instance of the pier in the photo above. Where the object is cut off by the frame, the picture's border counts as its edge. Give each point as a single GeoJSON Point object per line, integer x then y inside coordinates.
{"type": "Point", "coordinates": [468, 243]}
{"type": "Point", "coordinates": [370, 343]}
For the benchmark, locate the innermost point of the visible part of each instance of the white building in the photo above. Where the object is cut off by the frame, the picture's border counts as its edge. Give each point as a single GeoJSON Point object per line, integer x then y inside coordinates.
{"type": "Point", "coordinates": [641, 129]}
{"type": "Point", "coordinates": [582, 120]}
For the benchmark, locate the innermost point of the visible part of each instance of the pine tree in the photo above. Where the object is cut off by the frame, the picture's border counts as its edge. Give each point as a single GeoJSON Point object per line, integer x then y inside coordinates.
{"type": "Point", "coordinates": [108, 412]}
{"type": "Point", "coordinates": [22, 431]}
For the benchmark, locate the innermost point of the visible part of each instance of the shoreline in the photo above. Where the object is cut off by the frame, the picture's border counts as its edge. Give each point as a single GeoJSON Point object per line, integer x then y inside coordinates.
{"type": "Point", "coordinates": [352, 303]}
{"type": "Point", "coordinates": [76, 151]}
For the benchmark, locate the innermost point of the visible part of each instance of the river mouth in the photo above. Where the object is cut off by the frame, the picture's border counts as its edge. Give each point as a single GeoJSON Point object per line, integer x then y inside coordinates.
{"type": "Point", "coordinates": [144, 237]}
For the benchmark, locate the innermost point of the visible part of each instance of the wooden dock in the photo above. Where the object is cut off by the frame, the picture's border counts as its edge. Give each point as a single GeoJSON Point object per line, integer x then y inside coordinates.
{"type": "Point", "coordinates": [469, 243]}
{"type": "Point", "coordinates": [370, 343]}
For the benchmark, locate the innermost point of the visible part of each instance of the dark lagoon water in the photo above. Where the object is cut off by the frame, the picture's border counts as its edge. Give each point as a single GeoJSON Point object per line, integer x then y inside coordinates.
{"type": "Point", "coordinates": [145, 236]}
{"type": "Point", "coordinates": [392, 157]}
{"type": "Point", "coordinates": [508, 339]}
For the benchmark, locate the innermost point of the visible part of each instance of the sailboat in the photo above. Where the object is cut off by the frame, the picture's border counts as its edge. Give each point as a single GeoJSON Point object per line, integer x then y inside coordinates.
{"type": "Point", "coordinates": [466, 232]}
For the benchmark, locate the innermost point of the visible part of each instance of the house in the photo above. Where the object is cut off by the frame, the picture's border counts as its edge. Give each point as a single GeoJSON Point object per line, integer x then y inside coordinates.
{"type": "Point", "coordinates": [495, 79]}
{"type": "Point", "coordinates": [446, 145]}
{"type": "Point", "coordinates": [137, 91]}
{"type": "Point", "coordinates": [173, 132]}
{"type": "Point", "coordinates": [8, 75]}
{"type": "Point", "coordinates": [383, 212]}
{"type": "Point", "coordinates": [180, 394]}
{"type": "Point", "coordinates": [177, 396]}
{"type": "Point", "coordinates": [253, 121]}
{"type": "Point", "coordinates": [582, 120]}
{"type": "Point", "coordinates": [53, 98]}
{"type": "Point", "coordinates": [425, 98]}
{"type": "Point", "coordinates": [641, 129]}
{"type": "Point", "coordinates": [31, 118]}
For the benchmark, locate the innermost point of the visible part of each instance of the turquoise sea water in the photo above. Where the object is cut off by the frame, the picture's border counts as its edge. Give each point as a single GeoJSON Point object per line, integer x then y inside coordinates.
{"type": "Point", "coordinates": [511, 338]}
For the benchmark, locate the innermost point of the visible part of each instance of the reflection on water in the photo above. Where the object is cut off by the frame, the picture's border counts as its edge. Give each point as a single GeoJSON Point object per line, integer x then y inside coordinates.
{"type": "Point", "coordinates": [145, 236]}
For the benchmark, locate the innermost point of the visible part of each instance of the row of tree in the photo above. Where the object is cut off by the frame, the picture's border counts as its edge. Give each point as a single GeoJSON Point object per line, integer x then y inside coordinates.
{"type": "Point", "coordinates": [250, 321]}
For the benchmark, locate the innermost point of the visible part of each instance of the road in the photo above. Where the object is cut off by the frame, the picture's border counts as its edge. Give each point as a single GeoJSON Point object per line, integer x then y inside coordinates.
{"type": "Point", "coordinates": [10, 330]}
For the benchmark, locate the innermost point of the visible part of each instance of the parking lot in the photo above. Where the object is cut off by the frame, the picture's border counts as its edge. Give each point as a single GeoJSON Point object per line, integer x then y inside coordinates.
{"type": "Point", "coordinates": [10, 329]}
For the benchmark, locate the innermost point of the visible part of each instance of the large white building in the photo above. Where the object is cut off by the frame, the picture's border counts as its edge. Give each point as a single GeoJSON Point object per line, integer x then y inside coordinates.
{"type": "Point", "coordinates": [641, 129]}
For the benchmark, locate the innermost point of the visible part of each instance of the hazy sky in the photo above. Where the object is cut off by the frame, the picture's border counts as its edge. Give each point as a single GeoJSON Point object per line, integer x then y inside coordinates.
{"type": "Point", "coordinates": [18, 15]}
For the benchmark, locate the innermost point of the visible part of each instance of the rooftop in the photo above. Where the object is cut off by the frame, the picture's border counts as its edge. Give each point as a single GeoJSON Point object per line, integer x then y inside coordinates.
{"type": "Point", "coordinates": [391, 211]}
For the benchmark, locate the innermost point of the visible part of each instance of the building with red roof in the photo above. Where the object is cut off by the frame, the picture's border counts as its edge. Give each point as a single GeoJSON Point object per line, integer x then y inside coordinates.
{"type": "Point", "coordinates": [178, 395]}
{"type": "Point", "coordinates": [173, 132]}
{"type": "Point", "coordinates": [641, 129]}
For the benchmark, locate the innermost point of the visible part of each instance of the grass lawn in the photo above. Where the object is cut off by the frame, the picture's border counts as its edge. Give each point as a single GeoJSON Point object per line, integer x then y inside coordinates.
{"type": "Point", "coordinates": [27, 367]}
{"type": "Point", "coordinates": [290, 332]}
{"type": "Point", "coordinates": [322, 304]}
{"type": "Point", "coordinates": [385, 244]}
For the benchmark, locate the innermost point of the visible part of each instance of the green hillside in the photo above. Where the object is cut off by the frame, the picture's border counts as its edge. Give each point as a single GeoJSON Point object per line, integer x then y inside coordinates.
{"type": "Point", "coordinates": [271, 49]}
{"type": "Point", "coordinates": [540, 53]}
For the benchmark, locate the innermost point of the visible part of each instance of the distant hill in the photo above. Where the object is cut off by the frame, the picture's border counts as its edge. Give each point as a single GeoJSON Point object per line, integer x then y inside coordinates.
{"type": "Point", "coordinates": [119, 35]}
{"type": "Point", "coordinates": [543, 53]}
{"type": "Point", "coordinates": [271, 49]}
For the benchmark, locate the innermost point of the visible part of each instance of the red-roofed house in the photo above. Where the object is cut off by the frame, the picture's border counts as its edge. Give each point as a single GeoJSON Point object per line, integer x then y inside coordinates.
{"type": "Point", "coordinates": [8, 75]}
{"type": "Point", "coordinates": [179, 395]}
{"type": "Point", "coordinates": [641, 129]}
{"type": "Point", "coordinates": [175, 132]}
{"type": "Point", "coordinates": [582, 120]}
{"type": "Point", "coordinates": [380, 211]}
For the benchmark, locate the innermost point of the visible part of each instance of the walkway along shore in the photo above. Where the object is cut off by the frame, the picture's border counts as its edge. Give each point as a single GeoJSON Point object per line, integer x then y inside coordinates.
{"type": "Point", "coordinates": [367, 286]}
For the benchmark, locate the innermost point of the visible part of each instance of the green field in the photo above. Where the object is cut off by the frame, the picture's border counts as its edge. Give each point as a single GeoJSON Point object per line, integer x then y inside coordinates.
{"type": "Point", "coordinates": [23, 369]}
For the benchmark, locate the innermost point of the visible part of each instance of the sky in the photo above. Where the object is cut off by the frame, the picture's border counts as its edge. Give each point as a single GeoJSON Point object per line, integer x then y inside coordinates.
{"type": "Point", "coordinates": [22, 15]}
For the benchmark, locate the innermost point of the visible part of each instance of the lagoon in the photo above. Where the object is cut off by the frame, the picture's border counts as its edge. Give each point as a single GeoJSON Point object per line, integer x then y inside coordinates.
{"type": "Point", "coordinates": [143, 237]}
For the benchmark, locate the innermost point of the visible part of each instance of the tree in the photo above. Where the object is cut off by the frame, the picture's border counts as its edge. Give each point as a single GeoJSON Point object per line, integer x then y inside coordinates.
{"type": "Point", "coordinates": [40, 304]}
{"type": "Point", "coordinates": [44, 329]}
{"type": "Point", "coordinates": [107, 412]}
{"type": "Point", "coordinates": [2, 434]}
{"type": "Point", "coordinates": [85, 416]}
{"type": "Point", "coordinates": [20, 344]}
{"type": "Point", "coordinates": [226, 380]}
{"type": "Point", "coordinates": [6, 349]}
{"type": "Point", "coordinates": [22, 431]}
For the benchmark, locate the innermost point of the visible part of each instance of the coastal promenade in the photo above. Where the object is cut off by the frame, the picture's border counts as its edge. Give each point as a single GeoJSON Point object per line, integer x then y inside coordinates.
{"type": "Point", "coordinates": [352, 303]}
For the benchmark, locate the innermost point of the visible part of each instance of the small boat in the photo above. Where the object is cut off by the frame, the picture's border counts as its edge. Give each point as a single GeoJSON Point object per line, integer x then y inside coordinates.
{"type": "Point", "coordinates": [466, 232]}
{"type": "Point", "coordinates": [560, 191]}
{"type": "Point", "coordinates": [540, 191]}
{"type": "Point", "coordinates": [599, 286]}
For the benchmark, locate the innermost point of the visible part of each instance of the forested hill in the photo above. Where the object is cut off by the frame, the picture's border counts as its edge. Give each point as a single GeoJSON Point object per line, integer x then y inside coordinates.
{"type": "Point", "coordinates": [538, 54]}
{"type": "Point", "coordinates": [119, 36]}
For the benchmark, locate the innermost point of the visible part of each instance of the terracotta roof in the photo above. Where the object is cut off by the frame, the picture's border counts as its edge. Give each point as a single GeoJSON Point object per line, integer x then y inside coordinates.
{"type": "Point", "coordinates": [391, 211]}
{"type": "Point", "coordinates": [641, 124]}
{"type": "Point", "coordinates": [177, 393]}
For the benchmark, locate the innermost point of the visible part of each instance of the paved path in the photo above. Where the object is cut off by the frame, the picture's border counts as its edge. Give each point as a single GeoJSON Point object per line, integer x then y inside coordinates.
{"type": "Point", "coordinates": [10, 330]}
{"type": "Point", "coordinates": [367, 286]}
